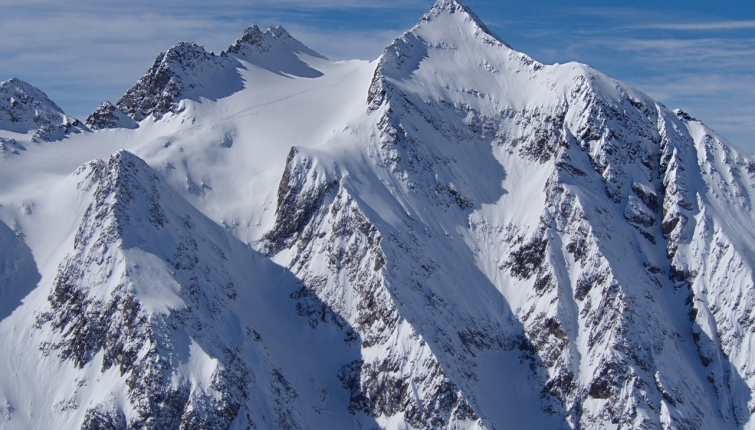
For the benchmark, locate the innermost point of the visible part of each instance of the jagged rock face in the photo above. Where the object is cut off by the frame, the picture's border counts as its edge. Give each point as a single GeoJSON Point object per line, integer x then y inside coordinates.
{"type": "Point", "coordinates": [107, 116]}
{"type": "Point", "coordinates": [98, 313]}
{"type": "Point", "coordinates": [149, 294]}
{"type": "Point", "coordinates": [332, 247]}
{"type": "Point", "coordinates": [707, 235]}
{"type": "Point", "coordinates": [24, 108]}
{"type": "Point", "coordinates": [173, 76]}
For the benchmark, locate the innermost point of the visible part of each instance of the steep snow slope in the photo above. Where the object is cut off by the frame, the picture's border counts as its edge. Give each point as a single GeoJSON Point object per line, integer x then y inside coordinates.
{"type": "Point", "coordinates": [469, 239]}
{"type": "Point", "coordinates": [128, 316]}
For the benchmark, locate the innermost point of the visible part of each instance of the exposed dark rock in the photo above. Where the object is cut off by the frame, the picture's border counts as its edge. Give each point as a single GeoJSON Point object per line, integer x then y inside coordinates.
{"type": "Point", "coordinates": [107, 116]}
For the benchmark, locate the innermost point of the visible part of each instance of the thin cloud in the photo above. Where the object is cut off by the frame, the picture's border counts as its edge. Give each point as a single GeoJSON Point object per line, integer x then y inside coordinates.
{"type": "Point", "coordinates": [188, 5]}
{"type": "Point", "coordinates": [696, 53]}
{"type": "Point", "coordinates": [702, 26]}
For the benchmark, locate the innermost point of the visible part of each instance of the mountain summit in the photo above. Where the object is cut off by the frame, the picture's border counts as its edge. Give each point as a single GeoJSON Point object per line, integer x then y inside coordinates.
{"type": "Point", "coordinates": [187, 71]}
{"type": "Point", "coordinates": [445, 8]}
{"type": "Point", "coordinates": [453, 236]}
{"type": "Point", "coordinates": [25, 108]}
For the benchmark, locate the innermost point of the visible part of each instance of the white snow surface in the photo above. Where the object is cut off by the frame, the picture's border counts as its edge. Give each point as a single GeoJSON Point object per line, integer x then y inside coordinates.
{"type": "Point", "coordinates": [541, 245]}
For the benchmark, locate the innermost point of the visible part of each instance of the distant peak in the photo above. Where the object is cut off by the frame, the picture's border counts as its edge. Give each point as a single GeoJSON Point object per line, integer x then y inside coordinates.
{"type": "Point", "coordinates": [255, 37]}
{"type": "Point", "coordinates": [252, 36]}
{"type": "Point", "coordinates": [15, 91]}
{"type": "Point", "coordinates": [24, 86]}
{"type": "Point", "coordinates": [274, 38]}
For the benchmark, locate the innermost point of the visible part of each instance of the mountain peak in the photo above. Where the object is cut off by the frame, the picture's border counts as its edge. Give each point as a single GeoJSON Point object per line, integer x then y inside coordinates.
{"type": "Point", "coordinates": [278, 31]}
{"type": "Point", "coordinates": [188, 71]}
{"type": "Point", "coordinates": [24, 107]}
{"type": "Point", "coordinates": [19, 90]}
{"type": "Point", "coordinates": [451, 33]}
{"type": "Point", "coordinates": [450, 6]}
{"type": "Point", "coordinates": [255, 40]}
{"type": "Point", "coordinates": [457, 8]}
{"type": "Point", "coordinates": [252, 36]}
{"type": "Point", "coordinates": [173, 74]}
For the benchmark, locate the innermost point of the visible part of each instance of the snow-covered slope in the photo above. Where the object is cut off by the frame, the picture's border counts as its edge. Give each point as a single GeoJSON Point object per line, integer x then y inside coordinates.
{"type": "Point", "coordinates": [453, 236]}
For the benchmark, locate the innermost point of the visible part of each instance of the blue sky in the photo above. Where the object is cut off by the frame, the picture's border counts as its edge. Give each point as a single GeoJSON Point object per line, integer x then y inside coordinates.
{"type": "Point", "coordinates": [695, 55]}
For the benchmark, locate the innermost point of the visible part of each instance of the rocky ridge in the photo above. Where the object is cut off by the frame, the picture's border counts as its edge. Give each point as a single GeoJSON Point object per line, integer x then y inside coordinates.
{"type": "Point", "coordinates": [188, 71]}
{"type": "Point", "coordinates": [107, 115]}
{"type": "Point", "coordinates": [147, 294]}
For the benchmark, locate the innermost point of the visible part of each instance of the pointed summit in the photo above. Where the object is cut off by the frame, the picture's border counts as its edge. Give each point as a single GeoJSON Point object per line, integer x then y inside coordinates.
{"type": "Point", "coordinates": [180, 72]}
{"type": "Point", "coordinates": [24, 91]}
{"type": "Point", "coordinates": [24, 107]}
{"type": "Point", "coordinates": [448, 38]}
{"type": "Point", "coordinates": [187, 71]}
{"type": "Point", "coordinates": [275, 40]}
{"type": "Point", "coordinates": [457, 8]}
{"type": "Point", "coordinates": [252, 36]}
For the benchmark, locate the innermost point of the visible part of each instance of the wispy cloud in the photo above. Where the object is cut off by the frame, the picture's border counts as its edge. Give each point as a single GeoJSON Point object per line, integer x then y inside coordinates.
{"type": "Point", "coordinates": [191, 5]}
{"type": "Point", "coordinates": [681, 54]}
{"type": "Point", "coordinates": [700, 26]}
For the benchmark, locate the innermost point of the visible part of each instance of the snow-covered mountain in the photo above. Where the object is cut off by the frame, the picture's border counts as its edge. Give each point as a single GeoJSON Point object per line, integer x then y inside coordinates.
{"type": "Point", "coordinates": [25, 109]}
{"type": "Point", "coordinates": [451, 236]}
{"type": "Point", "coordinates": [188, 72]}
